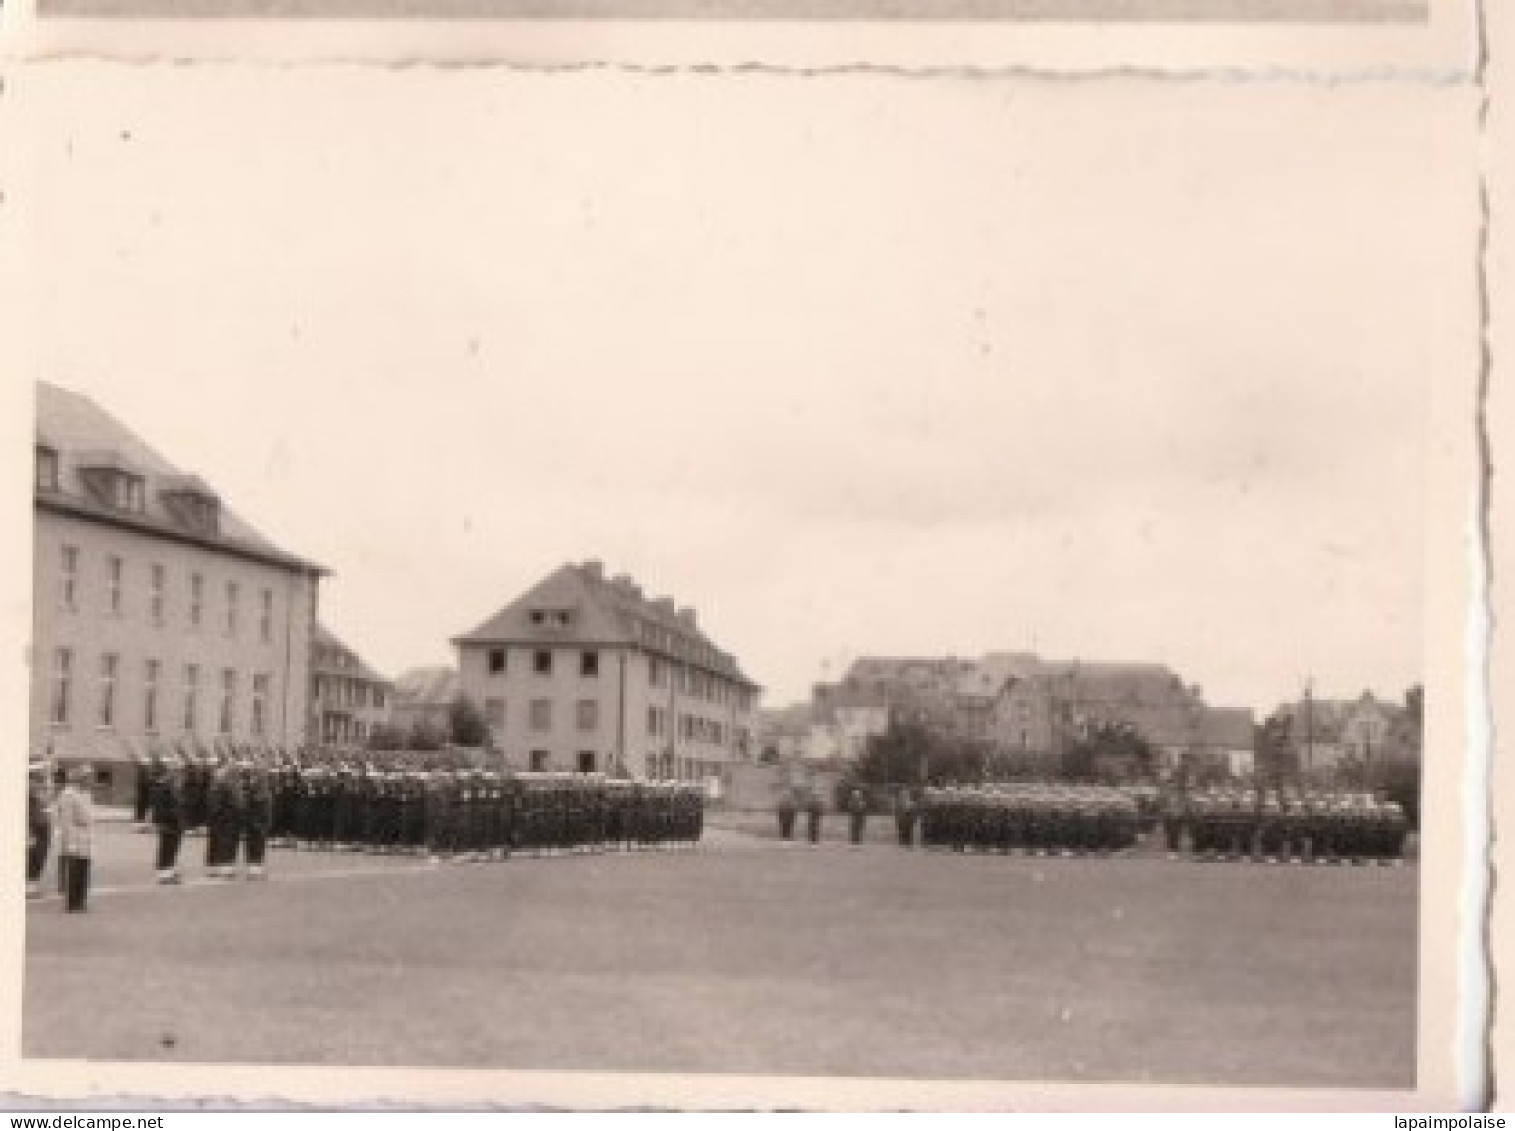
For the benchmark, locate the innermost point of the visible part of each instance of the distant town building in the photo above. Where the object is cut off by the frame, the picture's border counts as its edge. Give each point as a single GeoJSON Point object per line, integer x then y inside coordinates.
{"type": "Point", "coordinates": [160, 618]}
{"type": "Point", "coordinates": [348, 699]}
{"type": "Point", "coordinates": [1016, 703]}
{"type": "Point", "coordinates": [585, 672]}
{"type": "Point", "coordinates": [1331, 735]}
{"type": "Point", "coordinates": [421, 699]}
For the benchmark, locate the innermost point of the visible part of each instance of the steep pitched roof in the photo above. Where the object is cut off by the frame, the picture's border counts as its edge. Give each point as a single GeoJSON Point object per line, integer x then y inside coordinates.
{"type": "Point", "coordinates": [323, 642]}
{"type": "Point", "coordinates": [85, 435]}
{"type": "Point", "coordinates": [1228, 729]}
{"type": "Point", "coordinates": [603, 611]}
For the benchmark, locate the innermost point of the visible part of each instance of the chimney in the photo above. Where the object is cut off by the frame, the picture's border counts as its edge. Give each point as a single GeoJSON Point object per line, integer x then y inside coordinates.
{"type": "Point", "coordinates": [665, 606]}
{"type": "Point", "coordinates": [689, 618]}
{"type": "Point", "coordinates": [594, 569]}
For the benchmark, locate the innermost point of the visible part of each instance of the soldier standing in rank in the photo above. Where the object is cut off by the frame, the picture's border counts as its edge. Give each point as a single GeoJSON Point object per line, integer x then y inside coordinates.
{"type": "Point", "coordinates": [257, 816]}
{"type": "Point", "coordinates": [788, 807]}
{"type": "Point", "coordinates": [168, 817]}
{"type": "Point", "coordinates": [857, 814]}
{"type": "Point", "coordinates": [813, 811]}
{"type": "Point", "coordinates": [39, 827]}
{"type": "Point", "coordinates": [223, 822]}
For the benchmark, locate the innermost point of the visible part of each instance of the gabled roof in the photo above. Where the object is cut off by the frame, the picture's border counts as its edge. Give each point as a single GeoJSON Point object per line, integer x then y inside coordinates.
{"type": "Point", "coordinates": [324, 640]}
{"type": "Point", "coordinates": [603, 612]}
{"type": "Point", "coordinates": [85, 435]}
{"type": "Point", "coordinates": [1228, 729]}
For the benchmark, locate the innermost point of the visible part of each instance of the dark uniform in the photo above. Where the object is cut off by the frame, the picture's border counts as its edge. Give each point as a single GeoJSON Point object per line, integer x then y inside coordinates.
{"type": "Point", "coordinates": [223, 822]}
{"type": "Point", "coordinates": [257, 814]}
{"type": "Point", "coordinates": [787, 810]}
{"type": "Point", "coordinates": [857, 814]}
{"type": "Point", "coordinates": [813, 811]}
{"type": "Point", "coordinates": [39, 828]}
{"type": "Point", "coordinates": [906, 815]}
{"type": "Point", "coordinates": [168, 818]}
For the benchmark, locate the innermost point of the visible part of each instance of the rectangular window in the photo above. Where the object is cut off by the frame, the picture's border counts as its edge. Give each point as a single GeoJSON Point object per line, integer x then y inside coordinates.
{"type": "Point", "coordinates": [541, 714]}
{"type": "Point", "coordinates": [496, 661]}
{"type": "Point", "coordinates": [109, 663]}
{"type": "Point", "coordinates": [115, 568]}
{"type": "Point", "coordinates": [228, 693]}
{"type": "Point", "coordinates": [47, 469]}
{"type": "Point", "coordinates": [196, 599]}
{"type": "Point", "coordinates": [494, 713]}
{"type": "Point", "coordinates": [191, 696]}
{"type": "Point", "coordinates": [586, 761]}
{"type": "Point", "coordinates": [232, 591]}
{"type": "Point", "coordinates": [589, 664]}
{"type": "Point", "coordinates": [155, 596]}
{"type": "Point", "coordinates": [63, 681]}
{"type": "Point", "coordinates": [150, 674]}
{"type": "Point", "coordinates": [127, 493]}
{"type": "Point", "coordinates": [541, 662]}
{"type": "Point", "coordinates": [260, 704]}
{"type": "Point", "coordinates": [266, 617]}
{"type": "Point", "coordinates": [539, 761]}
{"type": "Point", "coordinates": [71, 578]}
{"type": "Point", "coordinates": [588, 714]}
{"type": "Point", "coordinates": [654, 671]}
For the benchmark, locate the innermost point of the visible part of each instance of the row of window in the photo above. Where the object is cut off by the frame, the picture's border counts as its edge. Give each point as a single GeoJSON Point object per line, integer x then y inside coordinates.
{"type": "Point", "coordinates": [662, 766]}
{"type": "Point", "coordinates": [662, 673]}
{"type": "Point", "coordinates": [539, 714]}
{"type": "Point", "coordinates": [701, 685]}
{"type": "Point", "coordinates": [542, 662]}
{"type": "Point", "coordinates": [115, 581]}
{"type": "Point", "coordinates": [336, 691]}
{"type": "Point", "coordinates": [692, 728]}
{"type": "Point", "coordinates": [109, 690]}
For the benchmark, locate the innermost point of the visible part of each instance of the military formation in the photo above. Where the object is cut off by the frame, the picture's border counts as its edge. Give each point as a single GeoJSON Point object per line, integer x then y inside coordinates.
{"type": "Point", "coordinates": [1277, 825]}
{"type": "Point", "coordinates": [242, 805]}
{"type": "Point", "coordinates": [1033, 817]}
{"type": "Point", "coordinates": [1208, 824]}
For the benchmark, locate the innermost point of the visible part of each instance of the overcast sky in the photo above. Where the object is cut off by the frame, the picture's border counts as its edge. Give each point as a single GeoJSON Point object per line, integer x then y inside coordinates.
{"type": "Point", "coordinates": [866, 365]}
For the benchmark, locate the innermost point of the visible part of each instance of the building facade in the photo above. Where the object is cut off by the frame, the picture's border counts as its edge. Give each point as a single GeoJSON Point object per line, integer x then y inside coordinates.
{"type": "Point", "coordinates": [348, 699]}
{"type": "Point", "coordinates": [586, 673]}
{"type": "Point", "coordinates": [160, 619]}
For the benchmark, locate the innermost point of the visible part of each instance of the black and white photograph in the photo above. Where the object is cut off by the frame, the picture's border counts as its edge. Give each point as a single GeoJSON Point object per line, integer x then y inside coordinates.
{"type": "Point", "coordinates": [669, 579]}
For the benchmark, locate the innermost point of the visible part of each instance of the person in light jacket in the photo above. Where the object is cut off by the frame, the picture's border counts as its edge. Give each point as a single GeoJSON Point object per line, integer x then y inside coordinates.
{"type": "Point", "coordinates": [76, 822]}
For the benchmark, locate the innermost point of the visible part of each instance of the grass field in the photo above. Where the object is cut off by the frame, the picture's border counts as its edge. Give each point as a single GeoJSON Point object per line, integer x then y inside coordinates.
{"type": "Point", "coordinates": [748, 956]}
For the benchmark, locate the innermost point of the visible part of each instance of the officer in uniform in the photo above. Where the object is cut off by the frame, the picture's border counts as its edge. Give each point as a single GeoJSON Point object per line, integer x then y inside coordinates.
{"type": "Point", "coordinates": [906, 815]}
{"type": "Point", "coordinates": [788, 807]}
{"type": "Point", "coordinates": [257, 813]}
{"type": "Point", "coordinates": [168, 814]}
{"type": "Point", "coordinates": [857, 814]}
{"type": "Point", "coordinates": [813, 810]}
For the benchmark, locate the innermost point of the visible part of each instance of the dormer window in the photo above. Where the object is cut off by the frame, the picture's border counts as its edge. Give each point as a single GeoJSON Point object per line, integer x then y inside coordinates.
{"type": "Point", "coordinates": [47, 468]}
{"type": "Point", "coordinates": [114, 485]}
{"type": "Point", "coordinates": [193, 505]}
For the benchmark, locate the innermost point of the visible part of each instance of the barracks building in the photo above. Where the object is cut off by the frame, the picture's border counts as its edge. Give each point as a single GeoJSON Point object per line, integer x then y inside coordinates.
{"type": "Point", "coordinates": [586, 673]}
{"type": "Point", "coordinates": [160, 618]}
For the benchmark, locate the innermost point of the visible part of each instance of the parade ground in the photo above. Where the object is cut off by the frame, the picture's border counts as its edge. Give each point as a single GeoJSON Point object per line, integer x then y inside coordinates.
{"type": "Point", "coordinates": [744, 955]}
